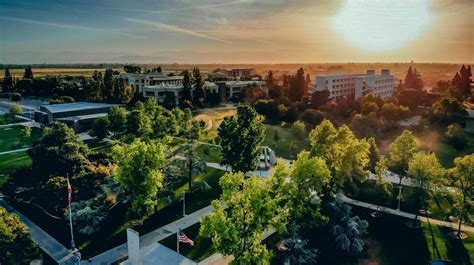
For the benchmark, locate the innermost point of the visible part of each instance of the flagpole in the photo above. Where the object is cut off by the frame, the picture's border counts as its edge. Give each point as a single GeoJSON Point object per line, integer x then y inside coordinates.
{"type": "Point", "coordinates": [73, 247]}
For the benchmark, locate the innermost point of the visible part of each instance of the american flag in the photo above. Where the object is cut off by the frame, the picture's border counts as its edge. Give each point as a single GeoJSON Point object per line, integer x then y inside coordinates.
{"type": "Point", "coordinates": [182, 238]}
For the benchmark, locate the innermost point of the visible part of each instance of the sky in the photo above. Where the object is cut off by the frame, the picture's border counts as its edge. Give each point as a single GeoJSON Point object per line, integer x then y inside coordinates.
{"type": "Point", "coordinates": [236, 31]}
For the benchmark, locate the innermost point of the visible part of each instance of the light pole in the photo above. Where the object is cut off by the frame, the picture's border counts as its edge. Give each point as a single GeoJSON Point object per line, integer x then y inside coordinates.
{"type": "Point", "coordinates": [184, 203]}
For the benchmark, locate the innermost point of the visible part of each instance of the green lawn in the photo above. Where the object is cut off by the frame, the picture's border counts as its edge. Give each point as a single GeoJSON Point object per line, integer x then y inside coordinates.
{"type": "Point", "coordinates": [11, 162]}
{"type": "Point", "coordinates": [433, 140]}
{"type": "Point", "coordinates": [113, 230]}
{"type": "Point", "coordinates": [282, 147]}
{"type": "Point", "coordinates": [10, 138]}
{"type": "Point", "coordinates": [5, 120]}
{"type": "Point", "coordinates": [202, 246]}
{"type": "Point", "coordinates": [208, 153]}
{"type": "Point", "coordinates": [99, 145]}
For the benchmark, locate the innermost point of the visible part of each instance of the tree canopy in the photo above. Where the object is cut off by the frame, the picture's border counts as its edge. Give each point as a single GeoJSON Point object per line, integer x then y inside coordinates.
{"type": "Point", "coordinates": [139, 171]}
{"type": "Point", "coordinates": [238, 229]}
{"type": "Point", "coordinates": [240, 138]}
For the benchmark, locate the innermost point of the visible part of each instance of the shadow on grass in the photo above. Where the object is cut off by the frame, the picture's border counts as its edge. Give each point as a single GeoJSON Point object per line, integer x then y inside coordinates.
{"type": "Point", "coordinates": [456, 250]}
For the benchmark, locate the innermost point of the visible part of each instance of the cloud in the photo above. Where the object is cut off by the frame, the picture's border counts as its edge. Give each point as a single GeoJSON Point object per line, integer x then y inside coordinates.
{"type": "Point", "coordinates": [66, 26]}
{"type": "Point", "coordinates": [175, 9]}
{"type": "Point", "coordinates": [176, 29]}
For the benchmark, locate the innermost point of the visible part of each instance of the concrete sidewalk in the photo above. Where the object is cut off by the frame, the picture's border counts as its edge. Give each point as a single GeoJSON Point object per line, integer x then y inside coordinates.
{"type": "Point", "coordinates": [375, 207]}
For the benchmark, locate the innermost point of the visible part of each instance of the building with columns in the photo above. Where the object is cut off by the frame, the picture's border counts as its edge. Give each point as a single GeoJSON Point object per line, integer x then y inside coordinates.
{"type": "Point", "coordinates": [357, 85]}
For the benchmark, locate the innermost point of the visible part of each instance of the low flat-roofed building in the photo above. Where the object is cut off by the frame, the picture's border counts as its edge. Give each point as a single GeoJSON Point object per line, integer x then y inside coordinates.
{"type": "Point", "coordinates": [78, 115]}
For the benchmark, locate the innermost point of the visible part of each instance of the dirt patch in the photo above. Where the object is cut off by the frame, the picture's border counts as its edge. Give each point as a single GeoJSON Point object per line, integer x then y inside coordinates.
{"type": "Point", "coordinates": [373, 253]}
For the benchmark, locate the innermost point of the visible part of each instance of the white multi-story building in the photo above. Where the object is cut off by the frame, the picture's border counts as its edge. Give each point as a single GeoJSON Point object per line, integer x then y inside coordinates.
{"type": "Point", "coordinates": [357, 85]}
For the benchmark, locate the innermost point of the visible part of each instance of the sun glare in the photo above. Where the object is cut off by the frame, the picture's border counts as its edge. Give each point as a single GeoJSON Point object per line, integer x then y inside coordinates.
{"type": "Point", "coordinates": [382, 25]}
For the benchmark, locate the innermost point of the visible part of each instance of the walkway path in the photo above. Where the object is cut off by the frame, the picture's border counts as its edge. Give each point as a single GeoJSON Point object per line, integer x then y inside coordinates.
{"type": "Point", "coordinates": [375, 207]}
{"type": "Point", "coordinates": [151, 238]}
{"type": "Point", "coordinates": [14, 151]}
{"type": "Point", "coordinates": [43, 240]}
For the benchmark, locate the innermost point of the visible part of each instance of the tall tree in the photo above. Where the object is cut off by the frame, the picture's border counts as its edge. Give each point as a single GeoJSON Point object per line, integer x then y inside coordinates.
{"type": "Point", "coordinates": [297, 189]}
{"type": "Point", "coordinates": [97, 86]}
{"type": "Point", "coordinates": [7, 85]}
{"type": "Point", "coordinates": [16, 246]}
{"type": "Point", "coordinates": [463, 178]}
{"type": "Point", "coordinates": [109, 85]}
{"type": "Point", "coordinates": [238, 229]}
{"type": "Point", "coordinates": [427, 173]}
{"type": "Point", "coordinates": [401, 152]}
{"type": "Point", "coordinates": [409, 78]}
{"type": "Point", "coordinates": [346, 156]}
{"type": "Point", "coordinates": [462, 82]}
{"type": "Point", "coordinates": [374, 154]}
{"type": "Point", "coordinates": [240, 138]}
{"type": "Point", "coordinates": [28, 73]}
{"type": "Point", "coordinates": [58, 152]}
{"type": "Point", "coordinates": [198, 84]}
{"type": "Point", "coordinates": [187, 87]}
{"type": "Point", "coordinates": [139, 171]}
{"type": "Point", "coordinates": [100, 127]}
{"type": "Point", "coordinates": [123, 92]}
{"type": "Point", "coordinates": [118, 120]}
{"type": "Point", "coordinates": [299, 86]}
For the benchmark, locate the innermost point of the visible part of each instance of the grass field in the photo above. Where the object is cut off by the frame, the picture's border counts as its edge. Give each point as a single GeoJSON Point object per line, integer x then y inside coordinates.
{"type": "Point", "coordinates": [283, 146]}
{"type": "Point", "coordinates": [11, 162]}
{"type": "Point", "coordinates": [10, 138]}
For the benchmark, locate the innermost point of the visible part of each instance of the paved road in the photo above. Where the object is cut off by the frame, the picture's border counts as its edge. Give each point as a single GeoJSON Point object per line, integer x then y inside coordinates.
{"type": "Point", "coordinates": [14, 151]}
{"type": "Point", "coordinates": [151, 238]}
{"type": "Point", "coordinates": [43, 240]}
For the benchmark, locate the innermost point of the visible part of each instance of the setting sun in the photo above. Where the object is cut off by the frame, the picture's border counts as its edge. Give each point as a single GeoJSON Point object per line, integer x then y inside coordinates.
{"type": "Point", "coordinates": [382, 25]}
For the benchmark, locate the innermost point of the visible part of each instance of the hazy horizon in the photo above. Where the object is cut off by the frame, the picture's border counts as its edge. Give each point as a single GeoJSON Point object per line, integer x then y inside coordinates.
{"type": "Point", "coordinates": [236, 32]}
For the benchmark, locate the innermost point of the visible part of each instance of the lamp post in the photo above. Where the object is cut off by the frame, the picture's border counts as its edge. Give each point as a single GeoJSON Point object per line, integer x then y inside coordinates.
{"type": "Point", "coordinates": [184, 203]}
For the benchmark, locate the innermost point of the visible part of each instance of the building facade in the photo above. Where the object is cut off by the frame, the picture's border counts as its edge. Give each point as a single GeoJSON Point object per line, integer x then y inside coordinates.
{"type": "Point", "coordinates": [357, 85]}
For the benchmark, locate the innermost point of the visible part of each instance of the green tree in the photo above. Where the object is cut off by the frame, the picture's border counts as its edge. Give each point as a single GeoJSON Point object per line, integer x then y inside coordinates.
{"type": "Point", "coordinates": [187, 87]}
{"type": "Point", "coordinates": [463, 179]}
{"type": "Point", "coordinates": [299, 86]}
{"type": "Point", "coordinates": [366, 126]}
{"type": "Point", "coordinates": [139, 171]}
{"type": "Point", "coordinates": [7, 85]}
{"type": "Point", "coordinates": [123, 92]}
{"type": "Point", "coordinates": [109, 85]}
{"type": "Point", "coordinates": [456, 135]}
{"type": "Point", "coordinates": [192, 130]}
{"type": "Point", "coordinates": [401, 152]}
{"type": "Point", "coordinates": [58, 152]}
{"type": "Point", "coordinates": [198, 94]}
{"type": "Point", "coordinates": [240, 138]}
{"type": "Point", "coordinates": [25, 134]}
{"type": "Point", "coordinates": [28, 73]}
{"type": "Point", "coordinates": [118, 120]}
{"type": "Point", "coordinates": [16, 246]}
{"type": "Point", "coordinates": [100, 127]}
{"type": "Point", "coordinates": [298, 129]}
{"type": "Point", "coordinates": [346, 156]}
{"type": "Point", "coordinates": [238, 229]}
{"type": "Point", "coordinates": [373, 154]}
{"type": "Point", "coordinates": [427, 173]}
{"type": "Point", "coordinates": [14, 111]}
{"type": "Point", "coordinates": [369, 107]}
{"type": "Point", "coordinates": [462, 83]}
{"type": "Point", "coordinates": [389, 112]}
{"type": "Point", "coordinates": [447, 110]}
{"type": "Point", "coordinates": [297, 189]}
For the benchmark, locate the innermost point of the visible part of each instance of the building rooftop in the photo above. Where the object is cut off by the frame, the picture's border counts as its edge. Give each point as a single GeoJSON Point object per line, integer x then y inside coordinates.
{"type": "Point", "coordinates": [56, 108]}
